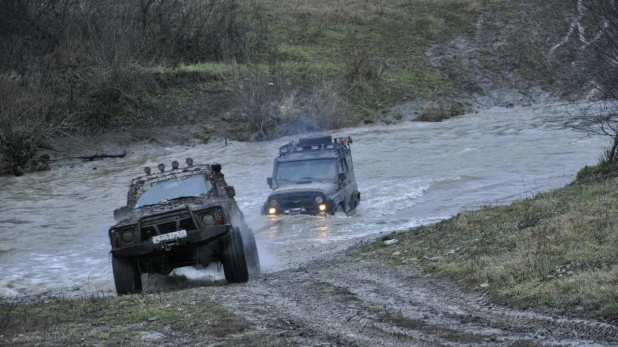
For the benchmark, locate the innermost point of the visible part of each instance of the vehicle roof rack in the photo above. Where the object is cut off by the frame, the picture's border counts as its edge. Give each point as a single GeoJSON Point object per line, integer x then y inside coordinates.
{"type": "Point", "coordinates": [316, 143]}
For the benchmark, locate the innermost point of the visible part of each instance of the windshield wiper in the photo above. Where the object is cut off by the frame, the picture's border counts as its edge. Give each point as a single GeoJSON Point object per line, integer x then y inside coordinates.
{"type": "Point", "coordinates": [304, 180]}
{"type": "Point", "coordinates": [155, 204]}
{"type": "Point", "coordinates": [183, 197]}
{"type": "Point", "coordinates": [167, 201]}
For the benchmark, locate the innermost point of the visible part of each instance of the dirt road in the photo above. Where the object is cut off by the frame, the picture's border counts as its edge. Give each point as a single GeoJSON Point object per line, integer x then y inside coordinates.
{"type": "Point", "coordinates": [339, 300]}
{"type": "Point", "coordinates": [349, 302]}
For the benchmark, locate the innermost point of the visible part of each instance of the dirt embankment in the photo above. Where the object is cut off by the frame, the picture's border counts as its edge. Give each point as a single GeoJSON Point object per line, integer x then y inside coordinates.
{"type": "Point", "coordinates": [342, 301]}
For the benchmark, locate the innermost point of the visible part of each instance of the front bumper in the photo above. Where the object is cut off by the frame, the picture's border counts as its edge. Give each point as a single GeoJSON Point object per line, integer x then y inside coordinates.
{"type": "Point", "coordinates": [194, 238]}
{"type": "Point", "coordinates": [311, 209]}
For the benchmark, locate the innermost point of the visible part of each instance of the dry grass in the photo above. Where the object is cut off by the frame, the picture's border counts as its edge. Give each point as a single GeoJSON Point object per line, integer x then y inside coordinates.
{"type": "Point", "coordinates": [364, 11]}
{"type": "Point", "coordinates": [556, 249]}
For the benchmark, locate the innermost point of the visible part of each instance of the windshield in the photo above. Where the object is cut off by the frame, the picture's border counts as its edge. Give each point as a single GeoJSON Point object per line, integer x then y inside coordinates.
{"type": "Point", "coordinates": [306, 171]}
{"type": "Point", "coordinates": [163, 191]}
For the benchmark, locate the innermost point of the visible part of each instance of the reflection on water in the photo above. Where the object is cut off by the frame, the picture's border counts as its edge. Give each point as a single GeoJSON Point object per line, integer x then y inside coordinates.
{"type": "Point", "coordinates": [53, 225]}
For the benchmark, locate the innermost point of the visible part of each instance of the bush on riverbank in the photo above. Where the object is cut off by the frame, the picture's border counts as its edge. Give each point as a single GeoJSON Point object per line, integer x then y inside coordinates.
{"type": "Point", "coordinates": [556, 249]}
{"type": "Point", "coordinates": [69, 66]}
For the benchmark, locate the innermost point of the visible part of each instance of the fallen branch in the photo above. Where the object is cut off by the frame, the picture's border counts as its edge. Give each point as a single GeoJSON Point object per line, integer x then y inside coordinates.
{"type": "Point", "coordinates": [95, 156]}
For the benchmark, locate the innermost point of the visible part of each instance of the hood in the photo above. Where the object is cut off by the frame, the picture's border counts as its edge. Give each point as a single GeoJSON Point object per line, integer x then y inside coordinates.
{"type": "Point", "coordinates": [322, 187]}
{"type": "Point", "coordinates": [131, 216]}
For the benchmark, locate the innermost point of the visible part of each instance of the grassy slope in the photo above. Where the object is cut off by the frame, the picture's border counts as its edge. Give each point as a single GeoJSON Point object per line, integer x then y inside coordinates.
{"type": "Point", "coordinates": [557, 249]}
{"type": "Point", "coordinates": [374, 51]}
{"type": "Point", "coordinates": [324, 39]}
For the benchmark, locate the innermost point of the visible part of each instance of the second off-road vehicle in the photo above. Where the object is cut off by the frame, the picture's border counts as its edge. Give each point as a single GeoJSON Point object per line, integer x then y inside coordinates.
{"type": "Point", "coordinates": [312, 176]}
{"type": "Point", "coordinates": [180, 217]}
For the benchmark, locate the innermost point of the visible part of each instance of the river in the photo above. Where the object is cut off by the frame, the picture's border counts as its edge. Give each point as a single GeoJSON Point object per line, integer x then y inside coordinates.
{"type": "Point", "coordinates": [53, 225]}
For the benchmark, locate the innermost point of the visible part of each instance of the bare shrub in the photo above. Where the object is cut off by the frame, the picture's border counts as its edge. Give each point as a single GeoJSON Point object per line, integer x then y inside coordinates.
{"type": "Point", "coordinates": [323, 109]}
{"type": "Point", "coordinates": [23, 127]}
{"type": "Point", "coordinates": [260, 91]}
{"type": "Point", "coordinates": [432, 112]}
{"type": "Point", "coordinates": [271, 107]}
{"type": "Point", "coordinates": [361, 65]}
{"type": "Point", "coordinates": [150, 30]}
{"type": "Point", "coordinates": [586, 47]}
{"type": "Point", "coordinates": [79, 64]}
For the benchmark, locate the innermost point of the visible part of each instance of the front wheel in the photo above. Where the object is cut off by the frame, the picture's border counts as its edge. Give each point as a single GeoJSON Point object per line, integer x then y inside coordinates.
{"type": "Point", "coordinates": [251, 253]}
{"type": "Point", "coordinates": [233, 258]}
{"type": "Point", "coordinates": [127, 277]}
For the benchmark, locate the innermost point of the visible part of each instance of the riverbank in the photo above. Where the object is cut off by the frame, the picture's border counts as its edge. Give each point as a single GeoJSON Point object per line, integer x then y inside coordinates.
{"type": "Point", "coordinates": [555, 250]}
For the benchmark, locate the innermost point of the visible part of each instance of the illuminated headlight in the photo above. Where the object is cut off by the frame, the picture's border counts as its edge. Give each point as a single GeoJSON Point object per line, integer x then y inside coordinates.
{"type": "Point", "coordinates": [319, 199]}
{"type": "Point", "coordinates": [208, 219]}
{"type": "Point", "coordinates": [273, 203]}
{"type": "Point", "coordinates": [272, 210]}
{"type": "Point", "coordinates": [322, 207]}
{"type": "Point", "coordinates": [127, 236]}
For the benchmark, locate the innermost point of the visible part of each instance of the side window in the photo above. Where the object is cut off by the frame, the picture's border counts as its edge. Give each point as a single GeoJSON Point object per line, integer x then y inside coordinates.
{"type": "Point", "coordinates": [344, 165]}
{"type": "Point", "coordinates": [341, 166]}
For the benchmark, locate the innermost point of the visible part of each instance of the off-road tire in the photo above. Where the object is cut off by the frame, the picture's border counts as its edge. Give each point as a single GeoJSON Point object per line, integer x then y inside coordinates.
{"type": "Point", "coordinates": [127, 277]}
{"type": "Point", "coordinates": [251, 253]}
{"type": "Point", "coordinates": [233, 258]}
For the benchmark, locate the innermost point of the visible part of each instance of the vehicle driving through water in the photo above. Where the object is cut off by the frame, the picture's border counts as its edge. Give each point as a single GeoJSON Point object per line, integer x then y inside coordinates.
{"type": "Point", "coordinates": [176, 218]}
{"type": "Point", "coordinates": [312, 176]}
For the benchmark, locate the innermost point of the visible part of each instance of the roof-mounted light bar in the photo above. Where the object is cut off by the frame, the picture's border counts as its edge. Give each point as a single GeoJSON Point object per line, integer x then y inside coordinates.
{"type": "Point", "coordinates": [315, 144]}
{"type": "Point", "coordinates": [175, 166]}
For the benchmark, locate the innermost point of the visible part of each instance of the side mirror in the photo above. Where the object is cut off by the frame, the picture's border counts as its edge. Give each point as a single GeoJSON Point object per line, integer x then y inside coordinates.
{"type": "Point", "coordinates": [122, 213]}
{"type": "Point", "coordinates": [342, 176]}
{"type": "Point", "coordinates": [269, 181]}
{"type": "Point", "coordinates": [231, 192]}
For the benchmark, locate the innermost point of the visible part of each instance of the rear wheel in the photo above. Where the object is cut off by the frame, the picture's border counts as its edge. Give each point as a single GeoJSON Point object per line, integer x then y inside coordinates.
{"type": "Point", "coordinates": [251, 253]}
{"type": "Point", "coordinates": [127, 277]}
{"type": "Point", "coordinates": [233, 258]}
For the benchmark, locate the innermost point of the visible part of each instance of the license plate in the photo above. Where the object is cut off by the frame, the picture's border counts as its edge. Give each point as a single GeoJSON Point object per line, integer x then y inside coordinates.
{"type": "Point", "coordinates": [169, 236]}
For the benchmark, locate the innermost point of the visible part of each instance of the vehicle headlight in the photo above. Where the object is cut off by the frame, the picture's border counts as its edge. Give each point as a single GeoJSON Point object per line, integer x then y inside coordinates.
{"type": "Point", "coordinates": [272, 210]}
{"type": "Point", "coordinates": [208, 219]}
{"type": "Point", "coordinates": [322, 207]}
{"type": "Point", "coordinates": [273, 203]}
{"type": "Point", "coordinates": [318, 199]}
{"type": "Point", "coordinates": [127, 236]}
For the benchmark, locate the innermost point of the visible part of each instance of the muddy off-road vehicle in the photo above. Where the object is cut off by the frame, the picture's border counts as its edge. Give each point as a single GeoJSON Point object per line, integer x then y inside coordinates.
{"type": "Point", "coordinates": [312, 176]}
{"type": "Point", "coordinates": [180, 217]}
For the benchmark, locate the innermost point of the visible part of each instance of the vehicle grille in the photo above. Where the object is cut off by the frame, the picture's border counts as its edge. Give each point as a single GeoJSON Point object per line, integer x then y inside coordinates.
{"type": "Point", "coordinates": [166, 223]}
{"type": "Point", "coordinates": [294, 200]}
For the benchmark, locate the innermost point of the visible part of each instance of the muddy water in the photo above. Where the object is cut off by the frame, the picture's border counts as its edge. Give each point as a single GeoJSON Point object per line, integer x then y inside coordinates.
{"type": "Point", "coordinates": [53, 225]}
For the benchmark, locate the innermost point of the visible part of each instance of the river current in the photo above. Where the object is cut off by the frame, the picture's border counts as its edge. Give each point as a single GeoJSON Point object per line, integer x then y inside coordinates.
{"type": "Point", "coordinates": [53, 225]}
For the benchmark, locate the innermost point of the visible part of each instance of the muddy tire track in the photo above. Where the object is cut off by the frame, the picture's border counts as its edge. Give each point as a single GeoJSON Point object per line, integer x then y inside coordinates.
{"type": "Point", "coordinates": [348, 302]}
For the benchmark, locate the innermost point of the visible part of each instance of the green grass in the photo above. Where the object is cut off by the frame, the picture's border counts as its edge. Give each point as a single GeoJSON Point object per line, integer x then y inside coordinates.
{"type": "Point", "coordinates": [320, 40]}
{"type": "Point", "coordinates": [202, 70]}
{"type": "Point", "coordinates": [556, 249]}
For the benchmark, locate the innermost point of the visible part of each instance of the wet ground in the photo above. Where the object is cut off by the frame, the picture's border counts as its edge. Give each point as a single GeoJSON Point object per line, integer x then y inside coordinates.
{"type": "Point", "coordinates": [345, 301]}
